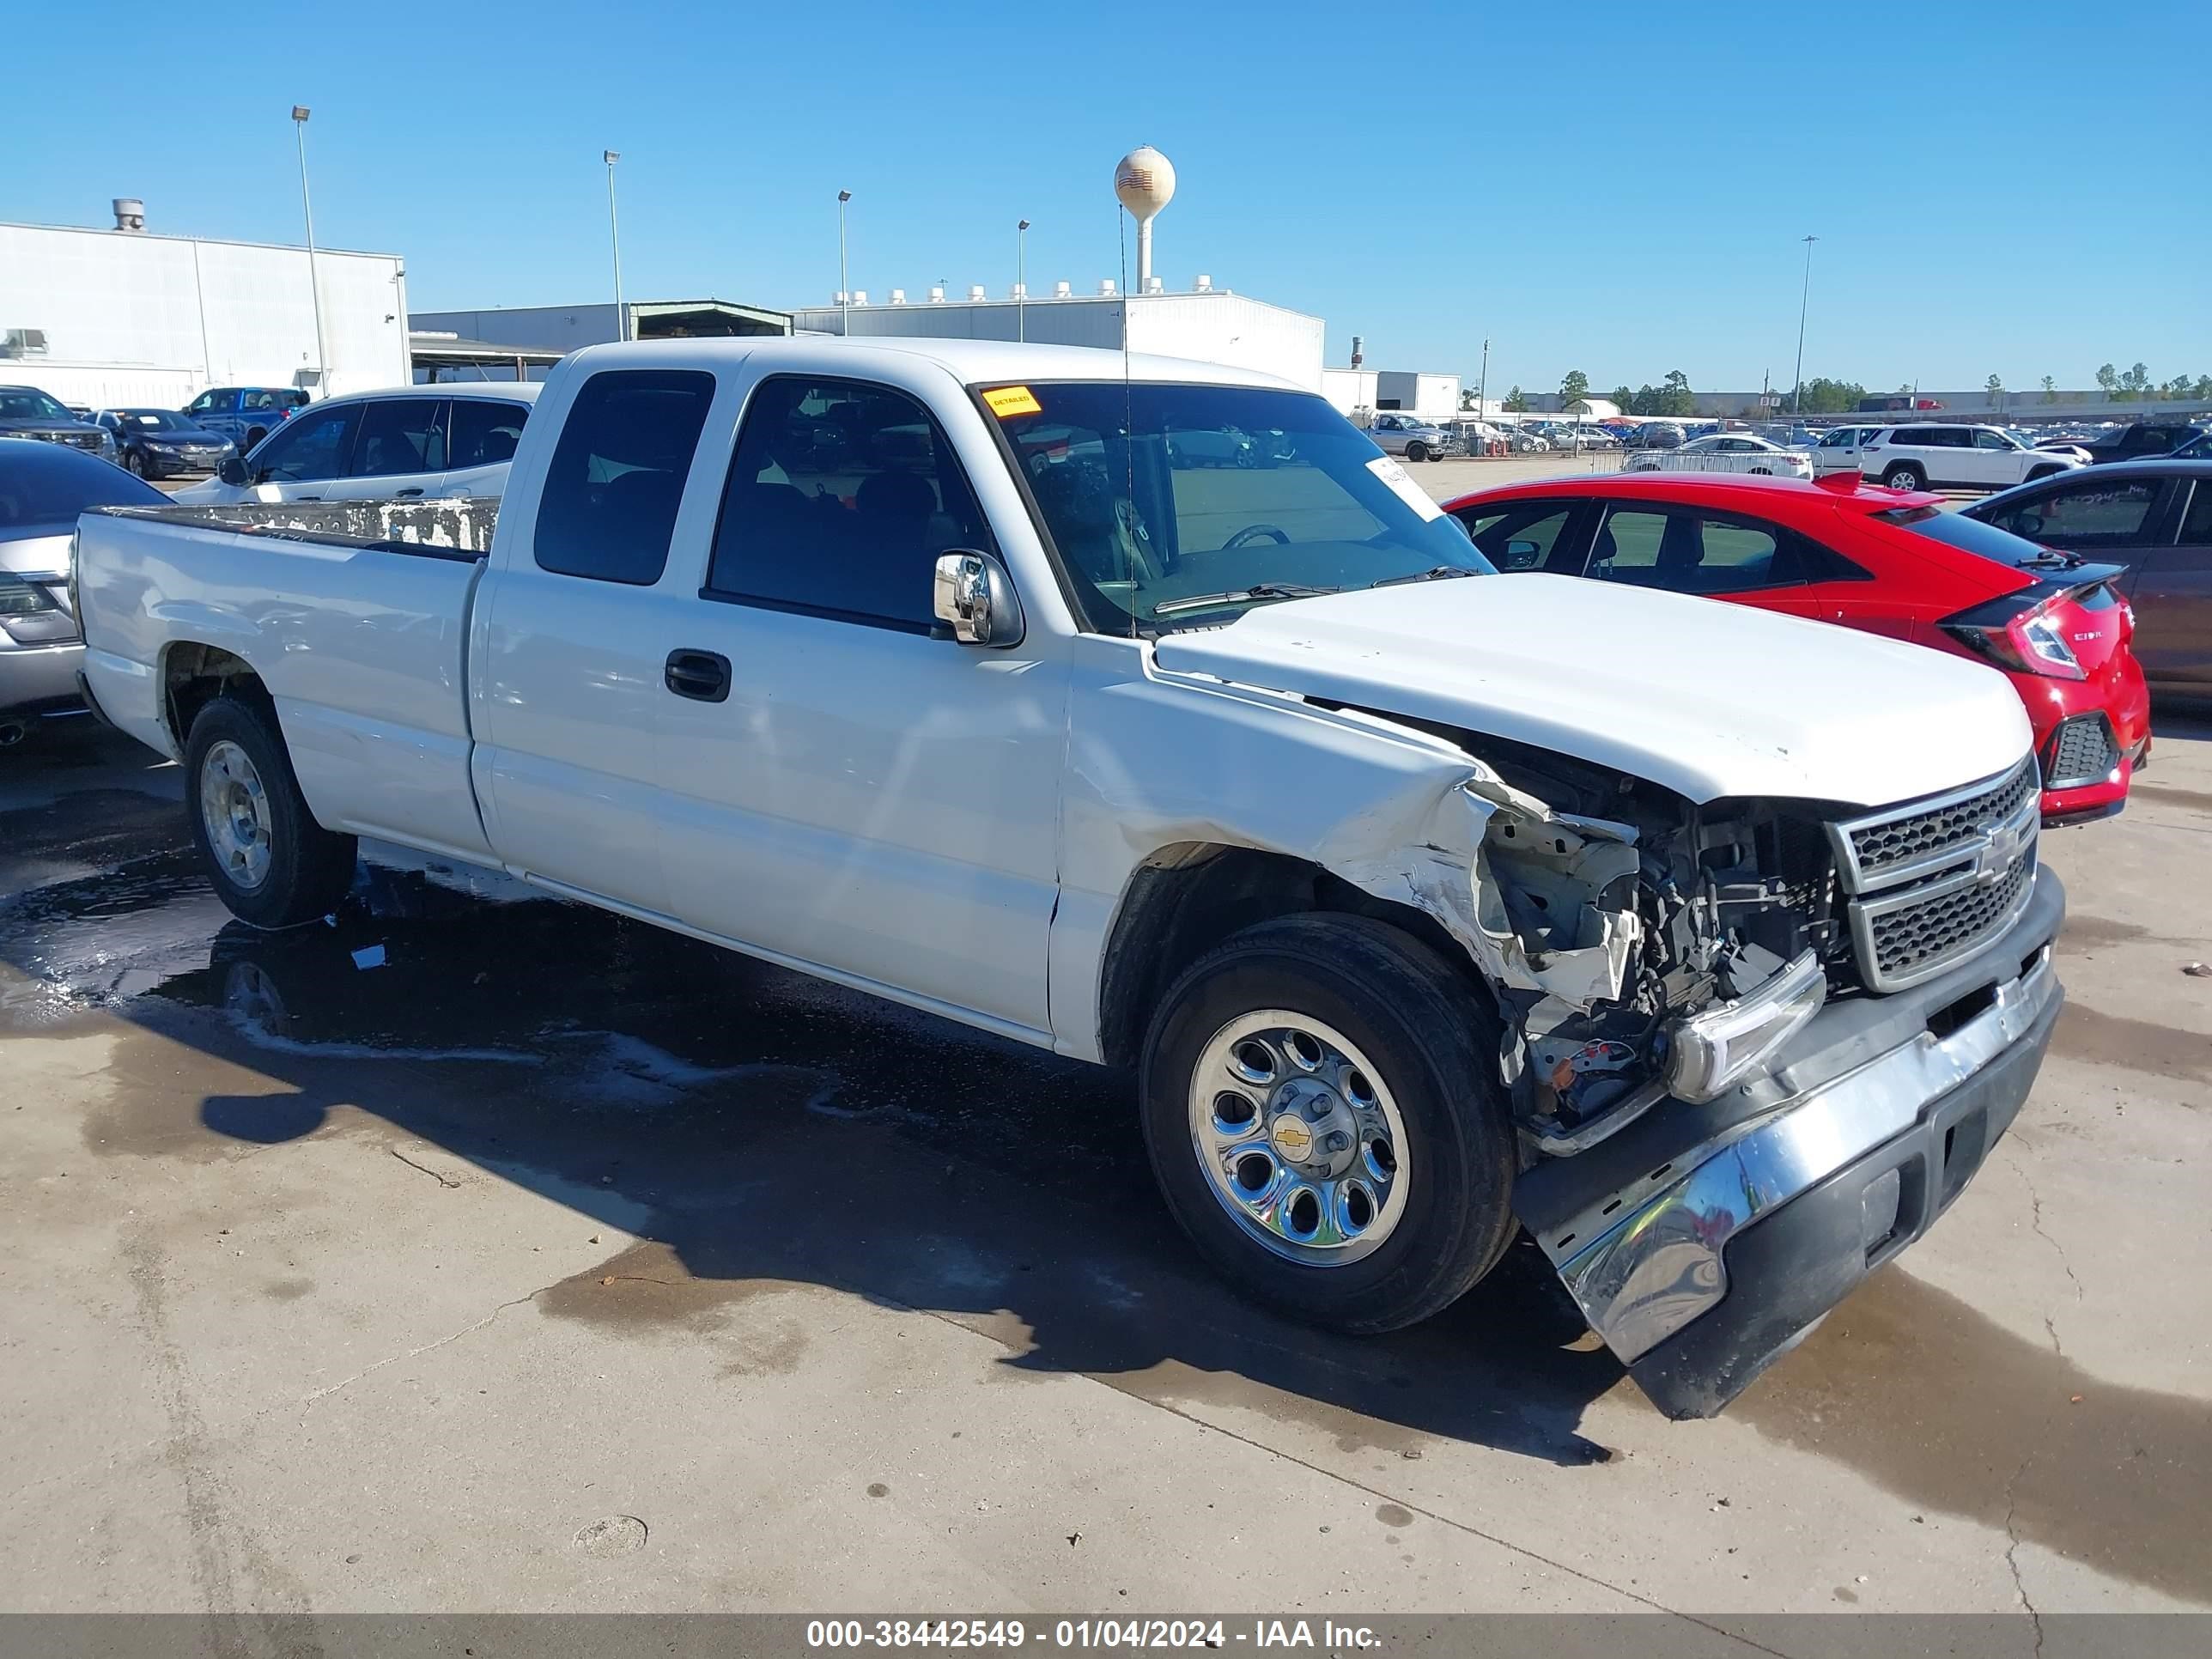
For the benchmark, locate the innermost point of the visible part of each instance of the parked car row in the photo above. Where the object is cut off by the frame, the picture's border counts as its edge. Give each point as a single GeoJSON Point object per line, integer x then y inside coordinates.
{"type": "Point", "coordinates": [1886, 562]}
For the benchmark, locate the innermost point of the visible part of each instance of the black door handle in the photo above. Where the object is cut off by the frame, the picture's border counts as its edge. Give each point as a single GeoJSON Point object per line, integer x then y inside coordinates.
{"type": "Point", "coordinates": [703, 676]}
{"type": "Point", "coordinates": [404, 495]}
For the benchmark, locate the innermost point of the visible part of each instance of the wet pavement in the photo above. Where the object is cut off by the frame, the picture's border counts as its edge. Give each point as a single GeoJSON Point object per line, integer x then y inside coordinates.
{"type": "Point", "coordinates": [474, 1251]}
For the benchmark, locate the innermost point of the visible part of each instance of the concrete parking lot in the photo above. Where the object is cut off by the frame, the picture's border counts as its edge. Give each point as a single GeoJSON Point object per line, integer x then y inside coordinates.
{"type": "Point", "coordinates": [478, 1253]}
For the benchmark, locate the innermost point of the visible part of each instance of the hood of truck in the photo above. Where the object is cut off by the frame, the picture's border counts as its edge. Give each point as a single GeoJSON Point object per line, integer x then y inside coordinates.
{"type": "Point", "coordinates": [1710, 700]}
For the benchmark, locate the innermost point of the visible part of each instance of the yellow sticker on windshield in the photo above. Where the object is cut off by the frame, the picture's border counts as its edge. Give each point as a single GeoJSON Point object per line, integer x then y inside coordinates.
{"type": "Point", "coordinates": [1007, 401]}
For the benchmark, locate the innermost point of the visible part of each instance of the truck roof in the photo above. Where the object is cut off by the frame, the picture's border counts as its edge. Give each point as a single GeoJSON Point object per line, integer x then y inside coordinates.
{"type": "Point", "coordinates": [973, 362]}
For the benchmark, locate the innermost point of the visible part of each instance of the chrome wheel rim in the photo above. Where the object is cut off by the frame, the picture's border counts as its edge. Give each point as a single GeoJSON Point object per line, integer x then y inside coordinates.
{"type": "Point", "coordinates": [234, 813]}
{"type": "Point", "coordinates": [1299, 1137]}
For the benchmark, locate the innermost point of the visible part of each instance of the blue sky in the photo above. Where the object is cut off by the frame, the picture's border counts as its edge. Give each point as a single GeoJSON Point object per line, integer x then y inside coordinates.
{"type": "Point", "coordinates": [2013, 188]}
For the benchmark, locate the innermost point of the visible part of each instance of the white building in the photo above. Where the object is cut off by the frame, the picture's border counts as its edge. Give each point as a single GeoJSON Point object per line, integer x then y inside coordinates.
{"type": "Point", "coordinates": [1362, 393]}
{"type": "Point", "coordinates": [121, 317]}
{"type": "Point", "coordinates": [570, 328]}
{"type": "Point", "coordinates": [1411, 393]}
{"type": "Point", "coordinates": [1209, 324]}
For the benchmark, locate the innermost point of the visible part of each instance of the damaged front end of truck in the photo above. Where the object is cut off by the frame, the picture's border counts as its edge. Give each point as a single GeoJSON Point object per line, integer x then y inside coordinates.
{"type": "Point", "coordinates": [1711, 1011]}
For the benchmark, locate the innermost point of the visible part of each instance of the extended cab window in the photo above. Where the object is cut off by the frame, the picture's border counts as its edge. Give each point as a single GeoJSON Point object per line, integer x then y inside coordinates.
{"type": "Point", "coordinates": [608, 509]}
{"type": "Point", "coordinates": [841, 497]}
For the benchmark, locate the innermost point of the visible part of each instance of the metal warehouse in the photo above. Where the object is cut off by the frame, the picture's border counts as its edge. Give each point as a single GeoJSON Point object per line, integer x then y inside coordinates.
{"type": "Point", "coordinates": [1210, 323]}
{"type": "Point", "coordinates": [120, 317]}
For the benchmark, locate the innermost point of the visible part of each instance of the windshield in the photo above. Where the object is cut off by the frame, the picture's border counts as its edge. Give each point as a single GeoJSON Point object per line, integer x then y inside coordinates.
{"type": "Point", "coordinates": [43, 487]}
{"type": "Point", "coordinates": [1182, 506]}
{"type": "Point", "coordinates": [1969, 535]}
{"type": "Point", "coordinates": [154, 420]}
{"type": "Point", "coordinates": [23, 402]}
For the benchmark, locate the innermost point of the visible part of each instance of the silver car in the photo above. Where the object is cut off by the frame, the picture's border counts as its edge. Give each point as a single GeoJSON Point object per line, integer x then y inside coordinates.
{"type": "Point", "coordinates": [1415, 439]}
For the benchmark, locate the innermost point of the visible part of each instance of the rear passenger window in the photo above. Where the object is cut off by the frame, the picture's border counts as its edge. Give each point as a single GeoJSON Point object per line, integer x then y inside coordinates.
{"type": "Point", "coordinates": [608, 509]}
{"type": "Point", "coordinates": [2088, 513]}
{"type": "Point", "coordinates": [485, 434]}
{"type": "Point", "coordinates": [401, 435]}
{"type": "Point", "coordinates": [1691, 553]}
{"type": "Point", "coordinates": [841, 497]}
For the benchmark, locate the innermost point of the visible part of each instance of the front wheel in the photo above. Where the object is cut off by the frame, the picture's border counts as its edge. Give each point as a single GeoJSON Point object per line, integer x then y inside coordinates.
{"type": "Point", "coordinates": [270, 863]}
{"type": "Point", "coordinates": [1417, 452]}
{"type": "Point", "coordinates": [1323, 1124]}
{"type": "Point", "coordinates": [1905, 478]}
{"type": "Point", "coordinates": [136, 463]}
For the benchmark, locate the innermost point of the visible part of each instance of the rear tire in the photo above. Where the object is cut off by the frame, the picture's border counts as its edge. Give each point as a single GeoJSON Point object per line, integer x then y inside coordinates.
{"type": "Point", "coordinates": [1411, 1227]}
{"type": "Point", "coordinates": [2041, 472]}
{"type": "Point", "coordinates": [1905, 477]}
{"type": "Point", "coordinates": [269, 860]}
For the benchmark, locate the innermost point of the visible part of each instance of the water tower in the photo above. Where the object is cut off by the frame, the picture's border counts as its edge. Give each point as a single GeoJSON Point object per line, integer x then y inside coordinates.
{"type": "Point", "coordinates": [1145, 181]}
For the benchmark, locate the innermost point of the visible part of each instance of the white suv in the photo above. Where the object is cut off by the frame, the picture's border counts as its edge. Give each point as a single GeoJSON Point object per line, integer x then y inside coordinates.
{"type": "Point", "coordinates": [1935, 456]}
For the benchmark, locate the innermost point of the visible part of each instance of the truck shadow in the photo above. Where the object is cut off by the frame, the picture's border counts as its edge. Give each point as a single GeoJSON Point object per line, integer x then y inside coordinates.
{"type": "Point", "coordinates": [754, 1129]}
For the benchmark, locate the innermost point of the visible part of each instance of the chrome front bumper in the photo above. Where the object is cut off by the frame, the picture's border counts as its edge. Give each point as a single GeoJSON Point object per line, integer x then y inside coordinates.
{"type": "Point", "coordinates": [1644, 1238]}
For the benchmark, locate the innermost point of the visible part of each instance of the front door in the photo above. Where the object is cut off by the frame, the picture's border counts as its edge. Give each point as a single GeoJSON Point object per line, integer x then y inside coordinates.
{"type": "Point", "coordinates": [861, 792]}
{"type": "Point", "coordinates": [298, 461]}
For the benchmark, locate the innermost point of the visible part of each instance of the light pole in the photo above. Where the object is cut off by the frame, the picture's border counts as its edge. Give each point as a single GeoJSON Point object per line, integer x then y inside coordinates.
{"type": "Point", "coordinates": [299, 113]}
{"type": "Point", "coordinates": [1797, 396]}
{"type": "Point", "coordinates": [1021, 279]}
{"type": "Point", "coordinates": [1482, 388]}
{"type": "Point", "coordinates": [614, 237]}
{"type": "Point", "coordinates": [844, 293]}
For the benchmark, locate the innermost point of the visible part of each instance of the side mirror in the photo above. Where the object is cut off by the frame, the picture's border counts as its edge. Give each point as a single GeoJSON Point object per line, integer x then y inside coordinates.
{"type": "Point", "coordinates": [975, 599]}
{"type": "Point", "coordinates": [232, 471]}
{"type": "Point", "coordinates": [1521, 556]}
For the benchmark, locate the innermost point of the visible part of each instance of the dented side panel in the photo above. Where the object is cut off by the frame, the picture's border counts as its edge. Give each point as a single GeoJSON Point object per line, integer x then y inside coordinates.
{"type": "Point", "coordinates": [1158, 761]}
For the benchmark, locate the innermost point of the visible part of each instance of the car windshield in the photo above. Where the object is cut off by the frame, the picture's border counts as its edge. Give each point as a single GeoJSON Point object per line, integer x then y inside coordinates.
{"type": "Point", "coordinates": [23, 402]}
{"type": "Point", "coordinates": [43, 487]}
{"type": "Point", "coordinates": [1969, 535]}
{"type": "Point", "coordinates": [1182, 506]}
{"type": "Point", "coordinates": [156, 420]}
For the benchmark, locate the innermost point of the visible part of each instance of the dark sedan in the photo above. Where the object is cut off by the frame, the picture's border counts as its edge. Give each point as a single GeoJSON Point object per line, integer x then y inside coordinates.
{"type": "Point", "coordinates": [2154, 516]}
{"type": "Point", "coordinates": [43, 488]}
{"type": "Point", "coordinates": [159, 443]}
{"type": "Point", "coordinates": [27, 412]}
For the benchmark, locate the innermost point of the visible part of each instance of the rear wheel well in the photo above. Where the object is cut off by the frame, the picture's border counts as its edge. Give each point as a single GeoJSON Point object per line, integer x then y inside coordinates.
{"type": "Point", "coordinates": [1188, 897]}
{"type": "Point", "coordinates": [194, 675]}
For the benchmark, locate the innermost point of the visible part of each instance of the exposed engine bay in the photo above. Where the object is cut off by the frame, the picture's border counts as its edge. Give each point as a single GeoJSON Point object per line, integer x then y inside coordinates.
{"type": "Point", "coordinates": [1605, 909]}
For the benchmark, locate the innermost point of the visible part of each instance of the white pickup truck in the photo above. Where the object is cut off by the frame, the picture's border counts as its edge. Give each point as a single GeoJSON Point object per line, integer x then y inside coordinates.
{"type": "Point", "coordinates": [1708, 945]}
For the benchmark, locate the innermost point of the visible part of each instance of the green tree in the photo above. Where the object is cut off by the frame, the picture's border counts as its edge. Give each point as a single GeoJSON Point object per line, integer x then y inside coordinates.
{"type": "Point", "coordinates": [2109, 379]}
{"type": "Point", "coordinates": [2050, 390]}
{"type": "Point", "coordinates": [2203, 386]}
{"type": "Point", "coordinates": [1674, 395]}
{"type": "Point", "coordinates": [1466, 400]}
{"type": "Point", "coordinates": [2136, 381]}
{"type": "Point", "coordinates": [1574, 388]}
{"type": "Point", "coordinates": [1821, 396]}
{"type": "Point", "coordinates": [1995, 385]}
{"type": "Point", "coordinates": [1623, 398]}
{"type": "Point", "coordinates": [1644, 401]}
{"type": "Point", "coordinates": [1516, 402]}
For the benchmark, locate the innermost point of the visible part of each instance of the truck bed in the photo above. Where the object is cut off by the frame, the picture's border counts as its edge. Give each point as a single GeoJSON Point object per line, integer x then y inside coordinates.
{"type": "Point", "coordinates": [341, 607]}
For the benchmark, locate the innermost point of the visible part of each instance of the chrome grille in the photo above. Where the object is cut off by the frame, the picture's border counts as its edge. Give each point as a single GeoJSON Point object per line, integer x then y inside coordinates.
{"type": "Point", "coordinates": [1932, 881]}
{"type": "Point", "coordinates": [1895, 841]}
{"type": "Point", "coordinates": [2083, 751]}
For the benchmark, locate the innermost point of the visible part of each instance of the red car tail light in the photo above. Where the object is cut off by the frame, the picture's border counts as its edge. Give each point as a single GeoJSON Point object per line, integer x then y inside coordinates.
{"type": "Point", "coordinates": [2035, 630]}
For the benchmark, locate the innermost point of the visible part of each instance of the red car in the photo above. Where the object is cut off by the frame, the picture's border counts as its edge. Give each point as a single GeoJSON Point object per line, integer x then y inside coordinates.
{"type": "Point", "coordinates": [1890, 561]}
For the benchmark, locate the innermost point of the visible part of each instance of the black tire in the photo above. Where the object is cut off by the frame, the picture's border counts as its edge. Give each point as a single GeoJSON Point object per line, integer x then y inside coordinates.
{"type": "Point", "coordinates": [1417, 452]}
{"type": "Point", "coordinates": [1762, 472]}
{"type": "Point", "coordinates": [309, 868]}
{"type": "Point", "coordinates": [136, 463]}
{"type": "Point", "coordinates": [2041, 472]}
{"type": "Point", "coordinates": [1425, 1030]}
{"type": "Point", "coordinates": [1904, 476]}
